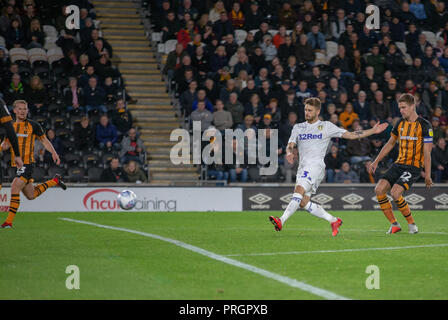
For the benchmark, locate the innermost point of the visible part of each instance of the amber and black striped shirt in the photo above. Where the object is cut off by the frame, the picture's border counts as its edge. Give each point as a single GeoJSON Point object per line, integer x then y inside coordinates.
{"type": "Point", "coordinates": [411, 137]}
{"type": "Point", "coordinates": [27, 131]}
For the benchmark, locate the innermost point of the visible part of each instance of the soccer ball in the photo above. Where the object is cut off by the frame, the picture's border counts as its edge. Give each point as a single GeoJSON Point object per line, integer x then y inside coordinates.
{"type": "Point", "coordinates": [127, 199]}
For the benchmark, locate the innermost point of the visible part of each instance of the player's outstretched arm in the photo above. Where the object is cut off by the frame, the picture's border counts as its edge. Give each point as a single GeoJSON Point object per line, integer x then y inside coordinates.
{"type": "Point", "coordinates": [383, 153]}
{"type": "Point", "coordinates": [289, 154]}
{"type": "Point", "coordinates": [13, 142]}
{"type": "Point", "coordinates": [49, 147]}
{"type": "Point", "coordinates": [427, 148]}
{"type": "Point", "coordinates": [378, 128]}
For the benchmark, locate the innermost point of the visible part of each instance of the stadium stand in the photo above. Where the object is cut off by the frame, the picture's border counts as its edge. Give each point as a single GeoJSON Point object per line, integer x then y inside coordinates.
{"type": "Point", "coordinates": [39, 57]}
{"type": "Point", "coordinates": [335, 57]}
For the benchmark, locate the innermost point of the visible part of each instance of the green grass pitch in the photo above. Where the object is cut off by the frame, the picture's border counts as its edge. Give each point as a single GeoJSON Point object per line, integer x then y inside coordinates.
{"type": "Point", "coordinates": [119, 265]}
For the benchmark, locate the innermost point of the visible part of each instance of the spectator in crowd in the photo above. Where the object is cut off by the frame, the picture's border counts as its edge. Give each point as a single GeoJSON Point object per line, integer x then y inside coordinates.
{"type": "Point", "coordinates": [74, 97]}
{"type": "Point", "coordinates": [268, 48]}
{"type": "Point", "coordinates": [212, 90]}
{"type": "Point", "coordinates": [439, 159]}
{"type": "Point", "coordinates": [338, 26]}
{"type": "Point", "coordinates": [114, 173]}
{"type": "Point", "coordinates": [362, 108]}
{"type": "Point", "coordinates": [174, 60]}
{"type": "Point", "coordinates": [35, 37]}
{"type": "Point", "coordinates": [106, 134]}
{"type": "Point", "coordinates": [15, 37]}
{"type": "Point", "coordinates": [366, 176]}
{"type": "Point", "coordinates": [316, 39]}
{"type": "Point", "coordinates": [222, 119]}
{"type": "Point", "coordinates": [379, 107]}
{"type": "Point", "coordinates": [188, 97]}
{"type": "Point", "coordinates": [16, 90]}
{"type": "Point", "coordinates": [134, 174]}
{"type": "Point", "coordinates": [236, 108]}
{"type": "Point", "coordinates": [255, 108]}
{"type": "Point", "coordinates": [84, 134]}
{"type": "Point", "coordinates": [202, 115]}
{"type": "Point", "coordinates": [238, 171]}
{"type": "Point", "coordinates": [57, 145]}
{"type": "Point", "coordinates": [249, 123]}
{"type": "Point", "coordinates": [437, 129]}
{"type": "Point", "coordinates": [237, 16]}
{"type": "Point", "coordinates": [287, 16]}
{"type": "Point", "coordinates": [348, 117]}
{"type": "Point", "coordinates": [359, 149]}
{"type": "Point", "coordinates": [215, 170]}
{"type": "Point", "coordinates": [346, 175]}
{"type": "Point", "coordinates": [8, 15]}
{"type": "Point", "coordinates": [333, 162]}
{"type": "Point", "coordinates": [37, 97]}
{"type": "Point", "coordinates": [122, 118]}
{"type": "Point", "coordinates": [171, 27]}
{"type": "Point", "coordinates": [215, 12]}
{"type": "Point", "coordinates": [223, 26]}
{"type": "Point", "coordinates": [202, 96]}
{"type": "Point", "coordinates": [94, 96]}
{"type": "Point", "coordinates": [132, 148]}
{"type": "Point", "coordinates": [376, 60]}
{"type": "Point", "coordinates": [431, 96]}
{"type": "Point", "coordinates": [290, 103]}
{"type": "Point", "coordinates": [304, 52]}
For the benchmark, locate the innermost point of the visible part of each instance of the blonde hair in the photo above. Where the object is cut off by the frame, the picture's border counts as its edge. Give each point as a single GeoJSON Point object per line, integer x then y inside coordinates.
{"type": "Point", "coordinates": [407, 98]}
{"type": "Point", "coordinates": [16, 102]}
{"type": "Point", "coordinates": [39, 85]}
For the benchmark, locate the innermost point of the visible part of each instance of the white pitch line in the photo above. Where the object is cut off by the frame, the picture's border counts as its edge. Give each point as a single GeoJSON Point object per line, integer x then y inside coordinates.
{"type": "Point", "coordinates": [285, 280]}
{"type": "Point", "coordinates": [335, 251]}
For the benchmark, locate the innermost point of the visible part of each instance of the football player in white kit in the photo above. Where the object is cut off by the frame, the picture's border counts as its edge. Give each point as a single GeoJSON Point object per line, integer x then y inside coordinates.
{"type": "Point", "coordinates": [312, 138]}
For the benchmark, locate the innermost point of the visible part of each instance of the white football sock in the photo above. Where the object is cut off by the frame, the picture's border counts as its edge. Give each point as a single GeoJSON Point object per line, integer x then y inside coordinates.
{"type": "Point", "coordinates": [292, 207]}
{"type": "Point", "coordinates": [318, 211]}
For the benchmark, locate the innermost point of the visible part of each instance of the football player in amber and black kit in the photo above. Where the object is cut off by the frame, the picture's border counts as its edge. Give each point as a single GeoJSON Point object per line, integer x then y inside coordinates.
{"type": "Point", "coordinates": [414, 136]}
{"type": "Point", "coordinates": [27, 131]}
{"type": "Point", "coordinates": [7, 123]}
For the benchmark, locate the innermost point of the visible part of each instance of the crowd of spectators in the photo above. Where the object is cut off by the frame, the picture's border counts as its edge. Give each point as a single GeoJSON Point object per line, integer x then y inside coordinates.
{"type": "Point", "coordinates": [79, 99]}
{"type": "Point", "coordinates": [250, 64]}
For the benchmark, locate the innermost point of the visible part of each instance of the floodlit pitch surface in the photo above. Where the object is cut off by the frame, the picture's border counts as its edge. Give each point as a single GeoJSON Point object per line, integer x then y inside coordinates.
{"type": "Point", "coordinates": [221, 255]}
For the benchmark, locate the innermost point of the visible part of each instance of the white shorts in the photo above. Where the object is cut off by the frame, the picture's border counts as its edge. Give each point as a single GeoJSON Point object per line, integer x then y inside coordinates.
{"type": "Point", "coordinates": [310, 178]}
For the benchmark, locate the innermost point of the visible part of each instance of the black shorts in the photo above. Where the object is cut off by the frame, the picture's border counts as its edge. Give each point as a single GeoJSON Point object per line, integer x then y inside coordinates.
{"type": "Point", "coordinates": [402, 175]}
{"type": "Point", "coordinates": [26, 173]}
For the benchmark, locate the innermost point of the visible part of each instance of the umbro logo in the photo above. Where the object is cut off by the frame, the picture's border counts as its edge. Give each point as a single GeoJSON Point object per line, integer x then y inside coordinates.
{"type": "Point", "coordinates": [260, 198]}
{"type": "Point", "coordinates": [322, 198]}
{"type": "Point", "coordinates": [414, 198]}
{"type": "Point", "coordinates": [443, 200]}
{"type": "Point", "coordinates": [352, 198]}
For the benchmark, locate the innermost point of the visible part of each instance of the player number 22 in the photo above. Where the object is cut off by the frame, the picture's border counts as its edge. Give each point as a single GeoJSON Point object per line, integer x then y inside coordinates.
{"type": "Point", "coordinates": [405, 176]}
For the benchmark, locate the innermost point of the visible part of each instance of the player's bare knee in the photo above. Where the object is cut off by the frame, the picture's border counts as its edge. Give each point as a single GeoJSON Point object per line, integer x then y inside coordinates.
{"type": "Point", "coordinates": [379, 190]}
{"type": "Point", "coordinates": [396, 193]}
{"type": "Point", "coordinates": [299, 189]}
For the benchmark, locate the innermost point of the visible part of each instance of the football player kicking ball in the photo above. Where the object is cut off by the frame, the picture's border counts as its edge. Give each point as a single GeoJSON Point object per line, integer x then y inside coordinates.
{"type": "Point", "coordinates": [27, 130]}
{"type": "Point", "coordinates": [312, 138]}
{"type": "Point", "coordinates": [414, 135]}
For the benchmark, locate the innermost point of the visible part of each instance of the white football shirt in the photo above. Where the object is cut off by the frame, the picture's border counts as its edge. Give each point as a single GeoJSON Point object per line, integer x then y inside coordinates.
{"type": "Point", "coordinates": [312, 141]}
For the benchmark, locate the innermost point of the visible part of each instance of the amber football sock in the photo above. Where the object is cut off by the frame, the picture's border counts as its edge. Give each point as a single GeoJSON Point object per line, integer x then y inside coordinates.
{"type": "Point", "coordinates": [404, 209]}
{"type": "Point", "coordinates": [13, 207]}
{"type": "Point", "coordinates": [41, 188]}
{"type": "Point", "coordinates": [386, 206]}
